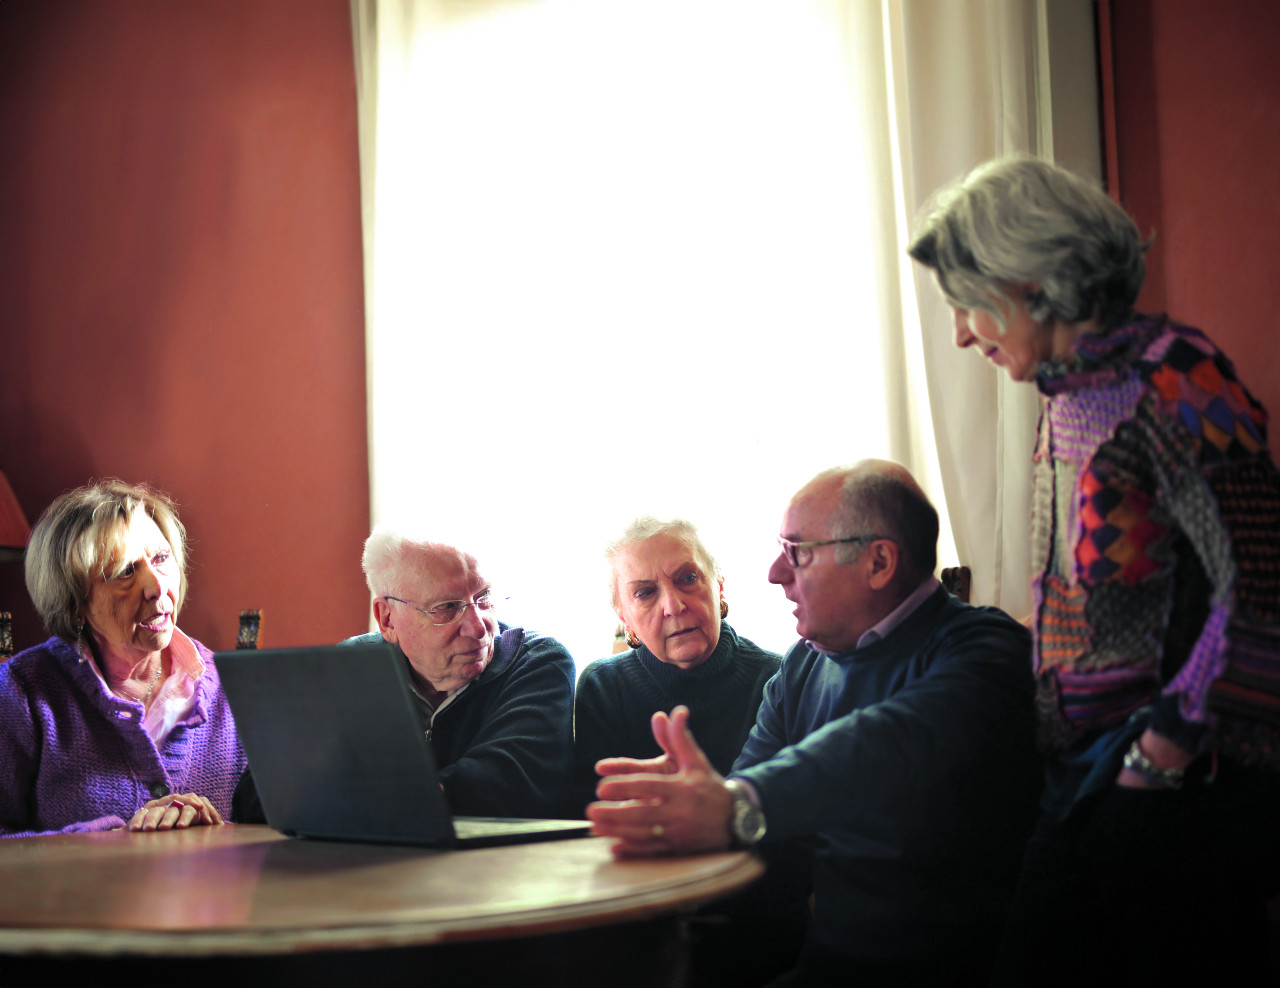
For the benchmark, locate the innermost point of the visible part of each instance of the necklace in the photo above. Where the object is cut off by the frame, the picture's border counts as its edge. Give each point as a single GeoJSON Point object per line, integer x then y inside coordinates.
{"type": "Point", "coordinates": [144, 700]}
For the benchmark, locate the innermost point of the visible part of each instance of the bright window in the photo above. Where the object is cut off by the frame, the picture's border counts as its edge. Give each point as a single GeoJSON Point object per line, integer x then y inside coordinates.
{"type": "Point", "coordinates": [627, 261]}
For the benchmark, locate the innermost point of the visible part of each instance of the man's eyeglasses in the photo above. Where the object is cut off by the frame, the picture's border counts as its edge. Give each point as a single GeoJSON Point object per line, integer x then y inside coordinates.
{"type": "Point", "coordinates": [801, 553]}
{"type": "Point", "coordinates": [449, 611]}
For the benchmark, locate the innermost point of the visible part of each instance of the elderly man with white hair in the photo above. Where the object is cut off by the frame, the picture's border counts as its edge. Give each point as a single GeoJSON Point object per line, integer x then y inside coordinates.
{"type": "Point", "coordinates": [496, 701]}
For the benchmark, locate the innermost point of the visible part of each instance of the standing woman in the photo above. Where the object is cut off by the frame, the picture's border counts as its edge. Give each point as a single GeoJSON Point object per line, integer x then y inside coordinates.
{"type": "Point", "coordinates": [1156, 553]}
{"type": "Point", "coordinates": [119, 718]}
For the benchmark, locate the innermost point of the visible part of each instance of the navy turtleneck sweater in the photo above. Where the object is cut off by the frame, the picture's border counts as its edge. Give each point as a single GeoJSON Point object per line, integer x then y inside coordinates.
{"type": "Point", "coordinates": [617, 696]}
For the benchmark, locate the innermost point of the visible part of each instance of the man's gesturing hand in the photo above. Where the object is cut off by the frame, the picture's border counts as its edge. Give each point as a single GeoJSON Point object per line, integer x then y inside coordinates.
{"type": "Point", "coordinates": [670, 805]}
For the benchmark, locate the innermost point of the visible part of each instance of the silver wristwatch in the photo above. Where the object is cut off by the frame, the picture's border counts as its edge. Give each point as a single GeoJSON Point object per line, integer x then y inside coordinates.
{"type": "Point", "coordinates": [747, 823]}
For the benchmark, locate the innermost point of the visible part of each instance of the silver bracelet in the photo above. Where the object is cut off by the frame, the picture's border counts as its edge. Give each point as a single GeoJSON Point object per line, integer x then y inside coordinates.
{"type": "Point", "coordinates": [1136, 760]}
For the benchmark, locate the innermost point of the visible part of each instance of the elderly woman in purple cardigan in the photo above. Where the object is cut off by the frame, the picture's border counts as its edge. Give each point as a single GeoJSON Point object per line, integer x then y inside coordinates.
{"type": "Point", "coordinates": [118, 719]}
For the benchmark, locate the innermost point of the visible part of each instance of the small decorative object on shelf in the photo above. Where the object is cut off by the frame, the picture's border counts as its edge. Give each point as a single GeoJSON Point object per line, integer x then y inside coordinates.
{"type": "Point", "coordinates": [6, 635]}
{"type": "Point", "coordinates": [957, 580]}
{"type": "Point", "coordinates": [250, 626]}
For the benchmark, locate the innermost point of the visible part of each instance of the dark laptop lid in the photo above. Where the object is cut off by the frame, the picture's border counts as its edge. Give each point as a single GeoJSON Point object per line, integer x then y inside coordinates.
{"type": "Point", "coordinates": [336, 744]}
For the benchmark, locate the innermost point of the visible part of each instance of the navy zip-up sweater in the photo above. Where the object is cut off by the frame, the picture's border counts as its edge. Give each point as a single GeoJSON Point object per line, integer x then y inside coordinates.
{"type": "Point", "coordinates": [910, 766]}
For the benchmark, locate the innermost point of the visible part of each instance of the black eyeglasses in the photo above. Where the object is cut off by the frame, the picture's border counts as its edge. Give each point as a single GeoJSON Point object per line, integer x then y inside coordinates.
{"type": "Point", "coordinates": [449, 611]}
{"type": "Point", "coordinates": [801, 553]}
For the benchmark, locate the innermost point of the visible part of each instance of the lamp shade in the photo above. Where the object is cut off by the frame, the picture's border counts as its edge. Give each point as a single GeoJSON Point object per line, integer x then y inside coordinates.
{"type": "Point", "coordinates": [14, 530]}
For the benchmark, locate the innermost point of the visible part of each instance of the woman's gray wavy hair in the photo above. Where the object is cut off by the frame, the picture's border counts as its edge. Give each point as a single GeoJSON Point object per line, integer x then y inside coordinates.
{"type": "Point", "coordinates": [74, 542]}
{"type": "Point", "coordinates": [1016, 221]}
{"type": "Point", "coordinates": [645, 528]}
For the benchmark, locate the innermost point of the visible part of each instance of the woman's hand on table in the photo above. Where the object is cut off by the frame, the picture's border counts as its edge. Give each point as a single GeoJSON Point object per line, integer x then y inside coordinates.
{"type": "Point", "coordinates": [176, 812]}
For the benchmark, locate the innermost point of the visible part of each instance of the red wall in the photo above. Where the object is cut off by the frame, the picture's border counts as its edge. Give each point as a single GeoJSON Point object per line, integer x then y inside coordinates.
{"type": "Point", "coordinates": [181, 294]}
{"type": "Point", "coordinates": [1198, 134]}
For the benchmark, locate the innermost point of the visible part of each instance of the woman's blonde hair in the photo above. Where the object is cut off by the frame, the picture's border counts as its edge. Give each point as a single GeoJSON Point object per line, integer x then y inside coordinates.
{"type": "Point", "coordinates": [75, 539]}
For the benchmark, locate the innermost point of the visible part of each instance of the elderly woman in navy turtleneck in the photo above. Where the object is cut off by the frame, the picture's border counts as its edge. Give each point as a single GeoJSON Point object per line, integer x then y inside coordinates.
{"type": "Point", "coordinates": [669, 594]}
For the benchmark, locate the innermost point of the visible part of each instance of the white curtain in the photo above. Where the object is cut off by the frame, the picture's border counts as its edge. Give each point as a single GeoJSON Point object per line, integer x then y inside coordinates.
{"type": "Point", "coordinates": [634, 256]}
{"type": "Point", "coordinates": [964, 90]}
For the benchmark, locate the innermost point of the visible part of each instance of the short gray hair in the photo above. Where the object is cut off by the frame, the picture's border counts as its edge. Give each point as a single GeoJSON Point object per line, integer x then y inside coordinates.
{"type": "Point", "coordinates": [880, 498]}
{"type": "Point", "coordinates": [645, 528]}
{"type": "Point", "coordinates": [1018, 220]}
{"type": "Point", "coordinates": [75, 539]}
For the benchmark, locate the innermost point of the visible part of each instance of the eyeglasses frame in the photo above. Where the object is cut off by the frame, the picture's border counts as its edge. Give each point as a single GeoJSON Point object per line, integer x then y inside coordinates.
{"type": "Point", "coordinates": [791, 550]}
{"type": "Point", "coordinates": [484, 602]}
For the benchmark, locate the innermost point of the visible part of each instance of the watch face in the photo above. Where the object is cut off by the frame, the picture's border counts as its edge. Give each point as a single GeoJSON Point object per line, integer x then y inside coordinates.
{"type": "Point", "coordinates": [748, 822]}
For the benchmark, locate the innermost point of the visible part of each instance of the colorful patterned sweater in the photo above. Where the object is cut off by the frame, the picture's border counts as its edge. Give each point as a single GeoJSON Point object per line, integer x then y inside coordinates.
{"type": "Point", "coordinates": [1156, 545]}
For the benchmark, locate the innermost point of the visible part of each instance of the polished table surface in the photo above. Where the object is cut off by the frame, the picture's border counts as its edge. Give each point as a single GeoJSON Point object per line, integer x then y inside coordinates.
{"type": "Point", "coordinates": [240, 889]}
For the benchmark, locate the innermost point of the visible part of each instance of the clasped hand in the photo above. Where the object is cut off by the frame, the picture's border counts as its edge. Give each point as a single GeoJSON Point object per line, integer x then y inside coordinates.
{"type": "Point", "coordinates": [676, 803]}
{"type": "Point", "coordinates": [175, 812]}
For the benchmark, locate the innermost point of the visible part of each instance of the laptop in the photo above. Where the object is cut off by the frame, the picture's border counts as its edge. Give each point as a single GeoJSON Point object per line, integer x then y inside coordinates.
{"type": "Point", "coordinates": [337, 749]}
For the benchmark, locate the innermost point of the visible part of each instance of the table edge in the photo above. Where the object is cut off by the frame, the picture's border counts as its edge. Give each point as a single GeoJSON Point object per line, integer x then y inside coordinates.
{"type": "Point", "coordinates": [15, 941]}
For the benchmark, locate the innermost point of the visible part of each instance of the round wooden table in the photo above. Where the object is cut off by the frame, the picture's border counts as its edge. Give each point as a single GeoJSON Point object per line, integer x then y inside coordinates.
{"type": "Point", "coordinates": [247, 890]}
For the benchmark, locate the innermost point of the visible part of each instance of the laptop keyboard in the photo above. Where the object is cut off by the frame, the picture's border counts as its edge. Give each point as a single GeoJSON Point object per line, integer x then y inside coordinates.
{"type": "Point", "coordinates": [484, 826]}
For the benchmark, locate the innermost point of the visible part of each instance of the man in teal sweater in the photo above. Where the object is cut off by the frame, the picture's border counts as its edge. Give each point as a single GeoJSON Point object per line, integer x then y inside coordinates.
{"type": "Point", "coordinates": [897, 742]}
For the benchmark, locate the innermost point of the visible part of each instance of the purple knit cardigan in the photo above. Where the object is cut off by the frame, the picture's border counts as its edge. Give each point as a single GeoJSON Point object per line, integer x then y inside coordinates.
{"type": "Point", "coordinates": [74, 757]}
